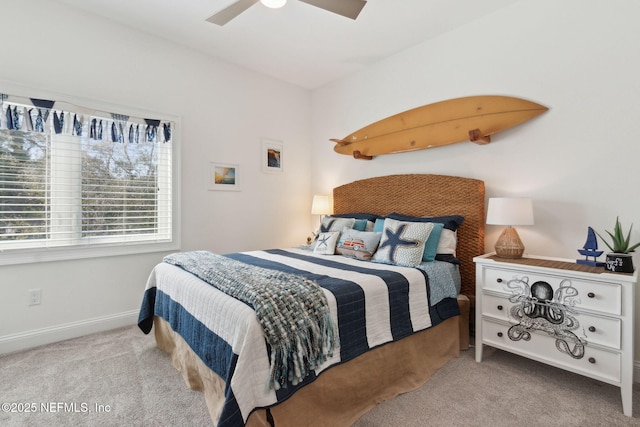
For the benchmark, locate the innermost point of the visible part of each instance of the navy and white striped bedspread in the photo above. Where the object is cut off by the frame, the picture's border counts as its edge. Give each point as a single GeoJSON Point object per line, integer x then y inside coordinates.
{"type": "Point", "coordinates": [371, 304]}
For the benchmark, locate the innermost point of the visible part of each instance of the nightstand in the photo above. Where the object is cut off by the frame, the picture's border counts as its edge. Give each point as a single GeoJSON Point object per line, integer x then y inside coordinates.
{"type": "Point", "coordinates": [555, 311]}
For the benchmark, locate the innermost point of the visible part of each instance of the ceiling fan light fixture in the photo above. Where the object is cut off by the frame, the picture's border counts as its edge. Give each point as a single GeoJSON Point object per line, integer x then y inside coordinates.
{"type": "Point", "coordinates": [274, 4]}
{"type": "Point", "coordinates": [346, 8]}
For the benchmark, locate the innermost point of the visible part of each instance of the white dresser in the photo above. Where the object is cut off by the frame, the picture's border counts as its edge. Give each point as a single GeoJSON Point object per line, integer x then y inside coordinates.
{"type": "Point", "coordinates": [555, 311]}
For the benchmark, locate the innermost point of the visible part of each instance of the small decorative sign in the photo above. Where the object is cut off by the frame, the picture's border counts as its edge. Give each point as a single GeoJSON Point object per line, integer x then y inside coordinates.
{"type": "Point", "coordinates": [619, 263]}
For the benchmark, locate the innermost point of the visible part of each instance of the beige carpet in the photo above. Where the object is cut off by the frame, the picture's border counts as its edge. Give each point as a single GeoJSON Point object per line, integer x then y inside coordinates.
{"type": "Point", "coordinates": [119, 378]}
{"type": "Point", "coordinates": [505, 390]}
{"type": "Point", "coordinates": [120, 368]}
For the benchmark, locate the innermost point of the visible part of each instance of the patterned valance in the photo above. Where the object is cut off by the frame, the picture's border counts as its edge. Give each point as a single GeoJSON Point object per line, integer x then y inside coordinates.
{"type": "Point", "coordinates": [46, 116]}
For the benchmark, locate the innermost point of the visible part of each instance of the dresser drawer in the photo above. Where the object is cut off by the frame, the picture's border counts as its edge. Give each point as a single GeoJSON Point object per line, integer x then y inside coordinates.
{"type": "Point", "coordinates": [601, 330]}
{"type": "Point", "coordinates": [590, 295]}
{"type": "Point", "coordinates": [595, 363]}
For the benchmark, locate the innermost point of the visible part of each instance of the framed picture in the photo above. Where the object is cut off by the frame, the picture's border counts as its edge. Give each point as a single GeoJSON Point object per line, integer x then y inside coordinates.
{"type": "Point", "coordinates": [272, 156]}
{"type": "Point", "coordinates": [224, 176]}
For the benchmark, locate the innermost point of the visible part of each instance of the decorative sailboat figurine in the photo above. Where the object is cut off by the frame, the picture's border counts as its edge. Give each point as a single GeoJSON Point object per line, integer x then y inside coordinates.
{"type": "Point", "coordinates": [590, 250]}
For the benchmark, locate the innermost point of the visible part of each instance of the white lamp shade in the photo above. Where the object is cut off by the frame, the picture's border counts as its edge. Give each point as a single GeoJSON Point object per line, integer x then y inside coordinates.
{"type": "Point", "coordinates": [320, 205]}
{"type": "Point", "coordinates": [510, 211]}
{"type": "Point", "coordinates": [274, 4]}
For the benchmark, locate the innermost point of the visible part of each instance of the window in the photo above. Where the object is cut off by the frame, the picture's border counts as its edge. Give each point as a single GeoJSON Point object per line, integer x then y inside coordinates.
{"type": "Point", "coordinates": [81, 183]}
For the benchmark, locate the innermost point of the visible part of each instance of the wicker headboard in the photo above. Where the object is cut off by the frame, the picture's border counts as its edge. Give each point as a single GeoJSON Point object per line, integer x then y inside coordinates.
{"type": "Point", "coordinates": [424, 195]}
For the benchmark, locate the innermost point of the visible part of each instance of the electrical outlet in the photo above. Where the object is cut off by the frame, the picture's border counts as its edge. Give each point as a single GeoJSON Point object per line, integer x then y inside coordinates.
{"type": "Point", "coordinates": [35, 296]}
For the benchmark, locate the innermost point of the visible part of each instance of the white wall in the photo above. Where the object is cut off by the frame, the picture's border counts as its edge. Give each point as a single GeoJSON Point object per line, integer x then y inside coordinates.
{"type": "Point", "coordinates": [578, 161]}
{"type": "Point", "coordinates": [57, 52]}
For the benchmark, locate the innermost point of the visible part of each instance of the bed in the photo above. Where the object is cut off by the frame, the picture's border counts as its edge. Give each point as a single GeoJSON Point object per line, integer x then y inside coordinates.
{"type": "Point", "coordinates": [219, 347]}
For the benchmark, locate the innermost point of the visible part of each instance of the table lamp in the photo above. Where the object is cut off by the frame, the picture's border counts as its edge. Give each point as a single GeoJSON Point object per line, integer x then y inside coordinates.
{"type": "Point", "coordinates": [509, 211]}
{"type": "Point", "coordinates": [320, 206]}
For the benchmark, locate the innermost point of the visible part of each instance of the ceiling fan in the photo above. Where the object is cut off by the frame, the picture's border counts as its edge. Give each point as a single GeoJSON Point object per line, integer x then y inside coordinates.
{"type": "Point", "coordinates": [347, 8]}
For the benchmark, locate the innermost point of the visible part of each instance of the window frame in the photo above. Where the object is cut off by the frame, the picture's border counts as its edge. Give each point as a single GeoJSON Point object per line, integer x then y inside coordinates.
{"type": "Point", "coordinates": [104, 246]}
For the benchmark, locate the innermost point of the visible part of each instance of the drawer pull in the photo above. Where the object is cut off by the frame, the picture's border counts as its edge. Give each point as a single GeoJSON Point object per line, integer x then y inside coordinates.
{"type": "Point", "coordinates": [592, 328]}
{"type": "Point", "coordinates": [500, 307]}
{"type": "Point", "coordinates": [500, 334]}
{"type": "Point", "coordinates": [499, 280]}
{"type": "Point", "coordinates": [592, 360]}
{"type": "Point", "coordinates": [591, 295]}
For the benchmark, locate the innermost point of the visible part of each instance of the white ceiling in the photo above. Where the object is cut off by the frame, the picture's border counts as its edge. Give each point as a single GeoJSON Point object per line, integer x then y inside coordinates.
{"type": "Point", "coordinates": [298, 43]}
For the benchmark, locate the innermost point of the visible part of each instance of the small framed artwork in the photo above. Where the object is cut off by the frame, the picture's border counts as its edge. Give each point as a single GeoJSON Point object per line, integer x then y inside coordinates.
{"type": "Point", "coordinates": [224, 176]}
{"type": "Point", "coordinates": [272, 156]}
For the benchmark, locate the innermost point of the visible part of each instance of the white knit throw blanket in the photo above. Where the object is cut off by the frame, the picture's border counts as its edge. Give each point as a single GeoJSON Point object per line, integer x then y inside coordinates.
{"type": "Point", "coordinates": [292, 310]}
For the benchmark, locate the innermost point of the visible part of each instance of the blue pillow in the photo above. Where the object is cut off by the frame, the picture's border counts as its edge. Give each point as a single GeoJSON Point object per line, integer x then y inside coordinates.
{"type": "Point", "coordinates": [431, 246]}
{"type": "Point", "coordinates": [360, 224]}
{"type": "Point", "coordinates": [451, 222]}
{"type": "Point", "coordinates": [357, 215]}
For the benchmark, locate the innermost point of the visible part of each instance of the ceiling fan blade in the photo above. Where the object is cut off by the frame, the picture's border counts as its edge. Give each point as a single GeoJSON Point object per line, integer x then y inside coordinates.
{"type": "Point", "coordinates": [348, 8]}
{"type": "Point", "coordinates": [231, 11]}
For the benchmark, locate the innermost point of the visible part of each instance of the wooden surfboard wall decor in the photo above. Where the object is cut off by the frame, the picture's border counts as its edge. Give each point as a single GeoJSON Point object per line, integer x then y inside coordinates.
{"type": "Point", "coordinates": [472, 118]}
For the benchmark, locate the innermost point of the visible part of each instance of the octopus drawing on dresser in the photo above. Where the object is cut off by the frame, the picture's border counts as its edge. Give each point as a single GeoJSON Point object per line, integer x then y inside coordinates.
{"type": "Point", "coordinates": [538, 307]}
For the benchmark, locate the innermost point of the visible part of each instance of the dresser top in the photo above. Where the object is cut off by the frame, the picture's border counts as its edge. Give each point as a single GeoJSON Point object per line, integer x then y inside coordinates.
{"type": "Point", "coordinates": [550, 263]}
{"type": "Point", "coordinates": [557, 263]}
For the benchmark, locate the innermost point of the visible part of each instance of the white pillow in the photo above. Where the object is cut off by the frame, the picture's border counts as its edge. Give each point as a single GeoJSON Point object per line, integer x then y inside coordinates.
{"type": "Point", "coordinates": [358, 244]}
{"type": "Point", "coordinates": [325, 243]}
{"type": "Point", "coordinates": [448, 242]}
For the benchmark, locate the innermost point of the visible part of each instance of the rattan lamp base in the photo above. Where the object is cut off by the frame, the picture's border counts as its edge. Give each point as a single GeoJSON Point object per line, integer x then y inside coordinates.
{"type": "Point", "coordinates": [509, 244]}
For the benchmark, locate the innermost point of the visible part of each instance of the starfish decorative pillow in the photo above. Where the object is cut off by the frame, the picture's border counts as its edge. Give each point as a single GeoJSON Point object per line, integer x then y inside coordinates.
{"type": "Point", "coordinates": [325, 243]}
{"type": "Point", "coordinates": [331, 223]}
{"type": "Point", "coordinates": [402, 243]}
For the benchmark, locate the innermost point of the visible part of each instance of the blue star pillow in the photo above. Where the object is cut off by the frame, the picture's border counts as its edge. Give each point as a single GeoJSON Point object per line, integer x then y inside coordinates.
{"type": "Point", "coordinates": [402, 242]}
{"type": "Point", "coordinates": [325, 243]}
{"type": "Point", "coordinates": [330, 223]}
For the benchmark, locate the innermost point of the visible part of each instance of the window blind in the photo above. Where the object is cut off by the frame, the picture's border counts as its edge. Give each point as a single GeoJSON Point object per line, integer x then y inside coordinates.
{"type": "Point", "coordinates": [24, 177]}
{"type": "Point", "coordinates": [75, 177]}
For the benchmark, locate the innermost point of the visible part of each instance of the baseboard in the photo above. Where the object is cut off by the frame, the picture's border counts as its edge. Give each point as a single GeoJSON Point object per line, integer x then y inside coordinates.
{"type": "Point", "coordinates": [37, 337]}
